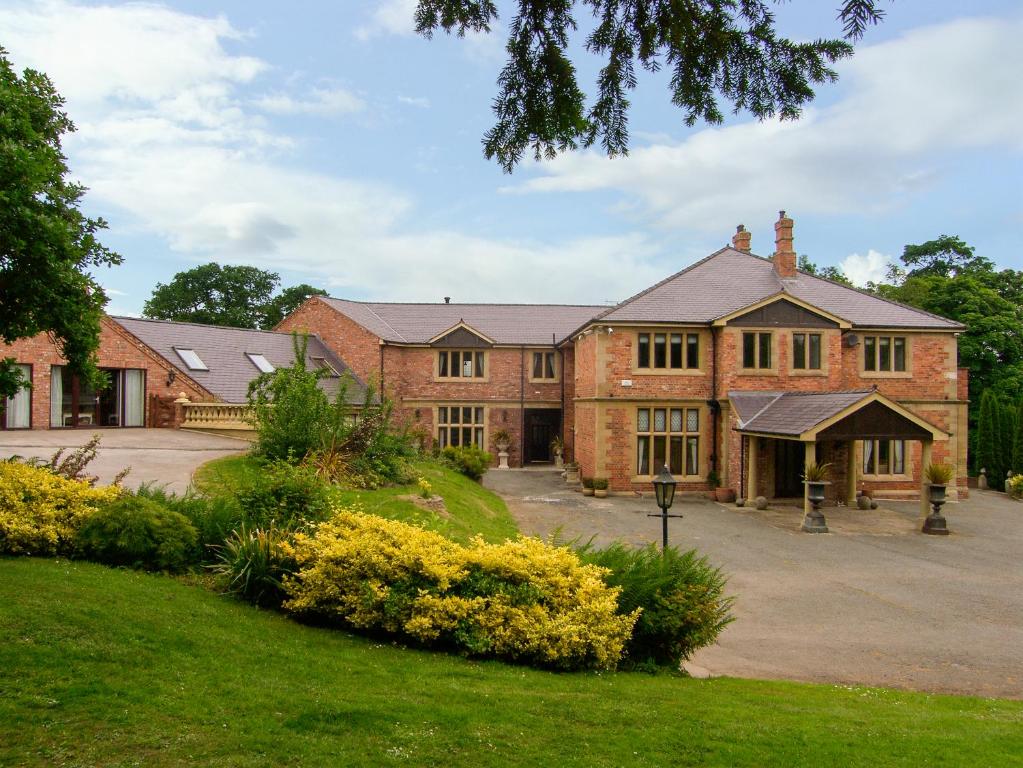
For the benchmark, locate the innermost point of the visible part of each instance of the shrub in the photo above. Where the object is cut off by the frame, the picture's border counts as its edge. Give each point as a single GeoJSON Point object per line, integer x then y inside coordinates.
{"type": "Point", "coordinates": [40, 512]}
{"type": "Point", "coordinates": [587, 482]}
{"type": "Point", "coordinates": [599, 483]}
{"type": "Point", "coordinates": [522, 600]}
{"type": "Point", "coordinates": [253, 564]}
{"type": "Point", "coordinates": [1014, 486]}
{"type": "Point", "coordinates": [939, 474]}
{"type": "Point", "coordinates": [137, 532]}
{"type": "Point", "coordinates": [470, 460]}
{"type": "Point", "coordinates": [213, 517]}
{"type": "Point", "coordinates": [680, 595]}
{"type": "Point", "coordinates": [283, 495]}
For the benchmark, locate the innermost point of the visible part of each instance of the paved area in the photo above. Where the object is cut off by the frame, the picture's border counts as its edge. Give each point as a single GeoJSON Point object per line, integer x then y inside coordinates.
{"type": "Point", "coordinates": [164, 456]}
{"type": "Point", "coordinates": [872, 603]}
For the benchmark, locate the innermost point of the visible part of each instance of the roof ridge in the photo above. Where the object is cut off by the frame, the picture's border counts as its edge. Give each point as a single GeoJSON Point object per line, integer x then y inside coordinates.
{"type": "Point", "coordinates": [372, 312]}
{"type": "Point", "coordinates": [753, 418]}
{"type": "Point", "coordinates": [197, 325]}
{"type": "Point", "coordinates": [867, 391]}
{"type": "Point", "coordinates": [465, 304]}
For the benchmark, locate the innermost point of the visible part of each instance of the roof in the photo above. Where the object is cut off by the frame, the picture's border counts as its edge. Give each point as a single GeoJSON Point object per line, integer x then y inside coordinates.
{"type": "Point", "coordinates": [223, 350]}
{"type": "Point", "coordinates": [729, 280]}
{"type": "Point", "coordinates": [529, 324]}
{"type": "Point", "coordinates": [790, 413]}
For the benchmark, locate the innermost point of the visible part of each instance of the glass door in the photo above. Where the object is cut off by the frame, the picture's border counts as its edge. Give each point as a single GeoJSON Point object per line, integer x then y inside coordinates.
{"type": "Point", "coordinates": [16, 412]}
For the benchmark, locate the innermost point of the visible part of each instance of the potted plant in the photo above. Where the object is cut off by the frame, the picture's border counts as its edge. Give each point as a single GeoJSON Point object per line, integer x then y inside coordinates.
{"type": "Point", "coordinates": [713, 480]}
{"type": "Point", "coordinates": [558, 449]}
{"type": "Point", "coordinates": [815, 478]}
{"type": "Point", "coordinates": [938, 476]}
{"type": "Point", "coordinates": [588, 486]}
{"type": "Point", "coordinates": [600, 487]}
{"type": "Point", "coordinates": [502, 441]}
{"type": "Point", "coordinates": [722, 494]}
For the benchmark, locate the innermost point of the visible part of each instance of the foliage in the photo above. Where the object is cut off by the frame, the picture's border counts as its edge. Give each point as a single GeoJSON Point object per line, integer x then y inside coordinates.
{"type": "Point", "coordinates": [253, 564]}
{"type": "Point", "coordinates": [48, 249]}
{"type": "Point", "coordinates": [40, 511]}
{"type": "Point", "coordinates": [988, 456]}
{"type": "Point", "coordinates": [502, 438]}
{"type": "Point", "coordinates": [713, 479]}
{"type": "Point", "coordinates": [521, 600]}
{"type": "Point", "coordinates": [557, 444]}
{"type": "Point", "coordinates": [939, 474]}
{"type": "Point", "coordinates": [816, 473]}
{"type": "Point", "coordinates": [1007, 434]}
{"type": "Point", "coordinates": [214, 516]}
{"type": "Point", "coordinates": [679, 595]}
{"type": "Point", "coordinates": [72, 466]}
{"type": "Point", "coordinates": [600, 483]}
{"type": "Point", "coordinates": [137, 532]}
{"type": "Point", "coordinates": [283, 495]}
{"type": "Point", "coordinates": [1014, 486]}
{"type": "Point", "coordinates": [1017, 441]}
{"type": "Point", "coordinates": [715, 50]}
{"type": "Point", "coordinates": [835, 274]}
{"type": "Point", "coordinates": [470, 460]}
{"type": "Point", "coordinates": [233, 295]}
{"type": "Point", "coordinates": [586, 481]}
{"type": "Point", "coordinates": [425, 487]}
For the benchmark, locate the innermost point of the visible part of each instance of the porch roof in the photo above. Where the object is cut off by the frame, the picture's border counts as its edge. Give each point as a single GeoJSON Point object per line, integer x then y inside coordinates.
{"type": "Point", "coordinates": [839, 415]}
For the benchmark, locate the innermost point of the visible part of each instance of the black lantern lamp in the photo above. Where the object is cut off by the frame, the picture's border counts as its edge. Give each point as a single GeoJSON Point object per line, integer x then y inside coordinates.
{"type": "Point", "coordinates": [664, 492]}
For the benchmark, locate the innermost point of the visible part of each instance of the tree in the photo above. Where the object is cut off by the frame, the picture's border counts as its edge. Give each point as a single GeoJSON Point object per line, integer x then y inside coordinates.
{"type": "Point", "coordinates": [835, 274]}
{"type": "Point", "coordinates": [287, 301]}
{"type": "Point", "coordinates": [238, 296]}
{"type": "Point", "coordinates": [1006, 434]}
{"type": "Point", "coordinates": [716, 49]}
{"type": "Point", "coordinates": [47, 246]}
{"type": "Point", "coordinates": [1017, 444]}
{"type": "Point", "coordinates": [987, 438]}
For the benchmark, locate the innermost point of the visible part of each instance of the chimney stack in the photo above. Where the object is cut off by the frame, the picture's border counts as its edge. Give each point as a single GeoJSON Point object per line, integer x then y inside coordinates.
{"type": "Point", "coordinates": [447, 299]}
{"type": "Point", "coordinates": [784, 255]}
{"type": "Point", "coordinates": [741, 239]}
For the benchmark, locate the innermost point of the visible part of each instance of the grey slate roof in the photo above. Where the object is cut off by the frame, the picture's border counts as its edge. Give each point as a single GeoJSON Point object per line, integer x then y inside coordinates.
{"type": "Point", "coordinates": [729, 280]}
{"type": "Point", "coordinates": [534, 324]}
{"type": "Point", "coordinates": [223, 350]}
{"type": "Point", "coordinates": [790, 413]}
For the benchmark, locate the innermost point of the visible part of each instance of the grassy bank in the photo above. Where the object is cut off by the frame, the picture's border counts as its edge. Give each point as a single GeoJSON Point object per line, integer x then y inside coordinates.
{"type": "Point", "coordinates": [471, 508]}
{"type": "Point", "coordinates": [108, 667]}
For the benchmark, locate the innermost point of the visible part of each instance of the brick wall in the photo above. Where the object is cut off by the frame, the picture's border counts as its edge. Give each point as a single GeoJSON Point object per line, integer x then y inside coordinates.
{"type": "Point", "coordinates": [117, 349]}
{"type": "Point", "coordinates": [356, 346]}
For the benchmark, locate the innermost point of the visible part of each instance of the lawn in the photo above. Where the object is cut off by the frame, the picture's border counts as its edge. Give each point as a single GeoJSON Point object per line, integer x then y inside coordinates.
{"type": "Point", "coordinates": [108, 667]}
{"type": "Point", "coordinates": [471, 508]}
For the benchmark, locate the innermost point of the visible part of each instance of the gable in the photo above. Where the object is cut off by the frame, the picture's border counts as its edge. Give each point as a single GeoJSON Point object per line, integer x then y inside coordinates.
{"type": "Point", "coordinates": [874, 421]}
{"type": "Point", "coordinates": [462, 338]}
{"type": "Point", "coordinates": [782, 314]}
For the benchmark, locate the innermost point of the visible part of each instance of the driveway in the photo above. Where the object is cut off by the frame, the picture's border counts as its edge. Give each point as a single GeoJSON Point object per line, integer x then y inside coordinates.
{"type": "Point", "coordinates": [872, 603]}
{"type": "Point", "coordinates": [164, 456]}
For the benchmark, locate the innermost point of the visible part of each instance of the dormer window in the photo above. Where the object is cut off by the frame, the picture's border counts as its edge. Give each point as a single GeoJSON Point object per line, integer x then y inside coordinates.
{"type": "Point", "coordinates": [264, 365]}
{"type": "Point", "coordinates": [322, 364]}
{"type": "Point", "coordinates": [191, 360]}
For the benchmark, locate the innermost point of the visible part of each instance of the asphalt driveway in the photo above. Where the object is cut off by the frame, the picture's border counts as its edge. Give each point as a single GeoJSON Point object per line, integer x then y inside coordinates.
{"type": "Point", "coordinates": [872, 603]}
{"type": "Point", "coordinates": [162, 456]}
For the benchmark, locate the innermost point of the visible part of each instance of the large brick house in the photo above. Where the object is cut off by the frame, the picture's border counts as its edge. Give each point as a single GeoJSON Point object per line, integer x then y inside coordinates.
{"type": "Point", "coordinates": [738, 367]}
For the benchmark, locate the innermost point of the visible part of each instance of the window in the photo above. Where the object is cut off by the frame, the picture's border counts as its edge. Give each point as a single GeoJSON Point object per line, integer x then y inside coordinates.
{"type": "Point", "coordinates": [806, 351]}
{"type": "Point", "coordinates": [756, 349]}
{"type": "Point", "coordinates": [191, 360]}
{"type": "Point", "coordinates": [460, 425]}
{"type": "Point", "coordinates": [260, 362]}
{"type": "Point", "coordinates": [884, 457]}
{"type": "Point", "coordinates": [543, 365]}
{"type": "Point", "coordinates": [324, 365]}
{"type": "Point", "coordinates": [16, 412]}
{"type": "Point", "coordinates": [668, 436]}
{"type": "Point", "coordinates": [884, 353]}
{"type": "Point", "coordinates": [461, 364]}
{"type": "Point", "coordinates": [669, 350]}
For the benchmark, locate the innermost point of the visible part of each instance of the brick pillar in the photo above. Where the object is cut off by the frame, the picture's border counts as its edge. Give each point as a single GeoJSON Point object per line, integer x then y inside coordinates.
{"type": "Point", "coordinates": [741, 239]}
{"type": "Point", "coordinates": [784, 255]}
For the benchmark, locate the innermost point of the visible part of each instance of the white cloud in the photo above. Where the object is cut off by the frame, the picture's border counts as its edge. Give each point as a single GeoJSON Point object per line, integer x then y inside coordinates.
{"type": "Point", "coordinates": [415, 101]}
{"type": "Point", "coordinates": [929, 91]}
{"type": "Point", "coordinates": [319, 101]}
{"type": "Point", "coordinates": [869, 267]}
{"type": "Point", "coordinates": [392, 17]}
{"type": "Point", "coordinates": [181, 148]}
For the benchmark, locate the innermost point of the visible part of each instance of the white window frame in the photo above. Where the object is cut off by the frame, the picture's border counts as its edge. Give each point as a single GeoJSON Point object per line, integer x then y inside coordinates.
{"type": "Point", "coordinates": [196, 363]}
{"type": "Point", "coordinates": [260, 361]}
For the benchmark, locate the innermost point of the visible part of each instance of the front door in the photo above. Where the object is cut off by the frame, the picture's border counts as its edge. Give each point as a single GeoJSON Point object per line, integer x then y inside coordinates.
{"type": "Point", "coordinates": [789, 456]}
{"type": "Point", "coordinates": [542, 425]}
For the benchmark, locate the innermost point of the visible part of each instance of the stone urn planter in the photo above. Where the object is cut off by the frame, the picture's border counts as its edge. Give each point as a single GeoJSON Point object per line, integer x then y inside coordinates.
{"type": "Point", "coordinates": [587, 486]}
{"type": "Point", "coordinates": [502, 442]}
{"type": "Point", "coordinates": [571, 473]}
{"type": "Point", "coordinates": [937, 476]}
{"type": "Point", "coordinates": [724, 495]}
{"type": "Point", "coordinates": [558, 449]}
{"type": "Point", "coordinates": [600, 488]}
{"type": "Point", "coordinates": [814, 521]}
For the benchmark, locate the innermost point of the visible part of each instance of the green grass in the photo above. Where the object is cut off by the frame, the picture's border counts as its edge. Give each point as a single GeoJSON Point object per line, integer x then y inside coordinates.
{"type": "Point", "coordinates": [471, 508]}
{"type": "Point", "coordinates": [102, 667]}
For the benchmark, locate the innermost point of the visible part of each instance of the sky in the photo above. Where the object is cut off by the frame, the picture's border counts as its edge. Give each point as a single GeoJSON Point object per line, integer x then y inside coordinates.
{"type": "Point", "coordinates": [329, 143]}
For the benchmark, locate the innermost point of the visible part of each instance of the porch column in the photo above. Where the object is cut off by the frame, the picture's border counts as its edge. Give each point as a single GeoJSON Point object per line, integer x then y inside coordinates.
{"type": "Point", "coordinates": [851, 474]}
{"type": "Point", "coordinates": [751, 471]}
{"type": "Point", "coordinates": [810, 450]}
{"type": "Point", "coordinates": [925, 459]}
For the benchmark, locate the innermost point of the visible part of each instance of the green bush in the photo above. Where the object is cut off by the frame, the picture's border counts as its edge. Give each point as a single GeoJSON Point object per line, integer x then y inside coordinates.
{"type": "Point", "coordinates": [471, 461]}
{"type": "Point", "coordinates": [681, 596]}
{"type": "Point", "coordinates": [214, 517]}
{"type": "Point", "coordinates": [253, 564]}
{"type": "Point", "coordinates": [1014, 486]}
{"type": "Point", "coordinates": [283, 495]}
{"type": "Point", "coordinates": [137, 532]}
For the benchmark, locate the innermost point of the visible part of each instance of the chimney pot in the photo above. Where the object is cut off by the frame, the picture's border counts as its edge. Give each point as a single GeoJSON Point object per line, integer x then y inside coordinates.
{"type": "Point", "coordinates": [784, 253]}
{"type": "Point", "coordinates": [447, 299]}
{"type": "Point", "coordinates": [741, 239]}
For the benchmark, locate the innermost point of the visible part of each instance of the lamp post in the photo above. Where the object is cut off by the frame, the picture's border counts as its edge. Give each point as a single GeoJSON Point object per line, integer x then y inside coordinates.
{"type": "Point", "coordinates": [664, 492]}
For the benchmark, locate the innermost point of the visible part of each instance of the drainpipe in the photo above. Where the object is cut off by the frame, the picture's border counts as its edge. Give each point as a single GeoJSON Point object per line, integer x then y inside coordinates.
{"type": "Point", "coordinates": [742, 467]}
{"type": "Point", "coordinates": [715, 406]}
{"type": "Point", "coordinates": [561, 433]}
{"type": "Point", "coordinates": [381, 370]}
{"type": "Point", "coordinates": [522, 406]}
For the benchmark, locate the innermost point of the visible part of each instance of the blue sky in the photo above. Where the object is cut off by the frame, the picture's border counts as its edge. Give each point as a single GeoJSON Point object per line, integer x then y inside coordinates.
{"type": "Point", "coordinates": [332, 145]}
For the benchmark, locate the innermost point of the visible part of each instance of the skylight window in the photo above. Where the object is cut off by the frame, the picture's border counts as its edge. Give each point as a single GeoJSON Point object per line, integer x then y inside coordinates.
{"type": "Point", "coordinates": [260, 362]}
{"type": "Point", "coordinates": [192, 361]}
{"type": "Point", "coordinates": [321, 362]}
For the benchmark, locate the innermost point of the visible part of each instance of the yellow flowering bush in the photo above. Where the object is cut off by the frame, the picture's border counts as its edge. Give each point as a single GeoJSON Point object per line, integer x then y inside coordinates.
{"type": "Point", "coordinates": [40, 511]}
{"type": "Point", "coordinates": [523, 600]}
